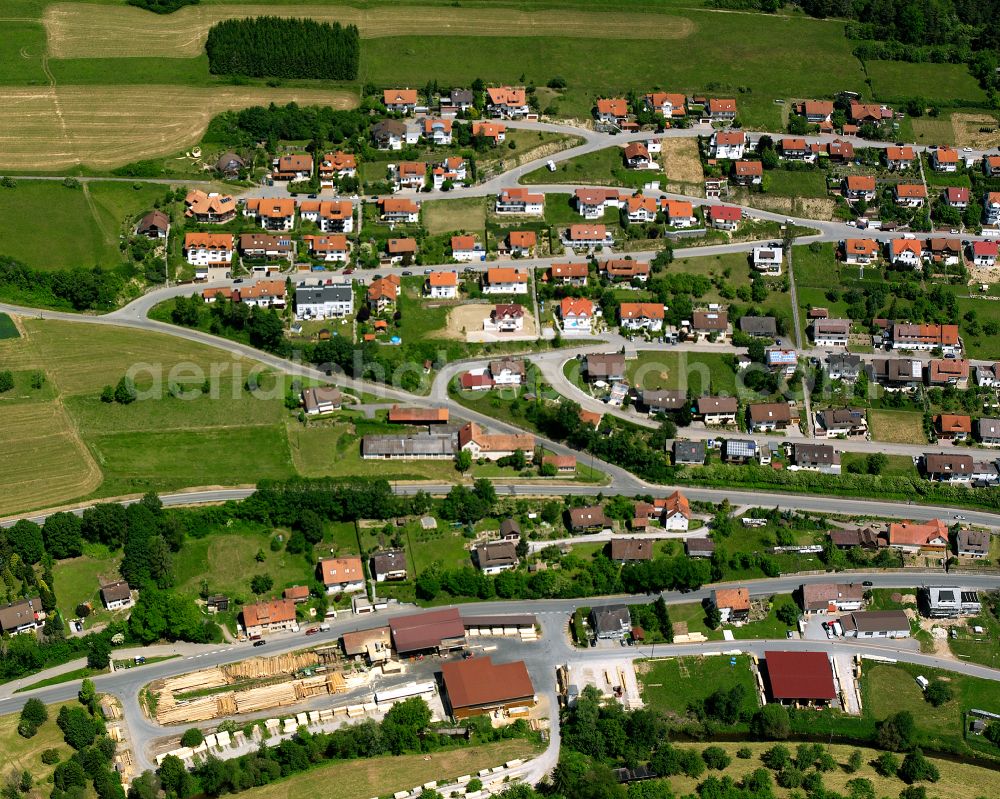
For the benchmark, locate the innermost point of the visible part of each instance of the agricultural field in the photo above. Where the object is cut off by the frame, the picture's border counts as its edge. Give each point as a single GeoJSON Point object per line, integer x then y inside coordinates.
{"type": "Point", "coordinates": [80, 225]}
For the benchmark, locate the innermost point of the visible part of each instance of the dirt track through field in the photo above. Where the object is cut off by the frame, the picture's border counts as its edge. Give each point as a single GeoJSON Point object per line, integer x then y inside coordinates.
{"type": "Point", "coordinates": [106, 126]}
{"type": "Point", "coordinates": [78, 30]}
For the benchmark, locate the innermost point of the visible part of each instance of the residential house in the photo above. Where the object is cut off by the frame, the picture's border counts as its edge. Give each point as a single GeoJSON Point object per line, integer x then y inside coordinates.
{"type": "Point", "coordinates": [265, 246]}
{"type": "Point", "coordinates": [875, 624]}
{"type": "Point", "coordinates": [820, 599]}
{"type": "Point", "coordinates": [264, 294]}
{"type": "Point", "coordinates": [988, 432]}
{"type": "Point", "coordinates": [631, 550]}
{"type": "Point", "coordinates": [608, 367]}
{"type": "Point", "coordinates": [910, 195]}
{"type": "Point", "coordinates": [689, 453]}
{"type": "Point", "coordinates": [945, 159]}
{"type": "Point", "coordinates": [831, 332]}
{"type": "Point", "coordinates": [843, 366]}
{"type": "Point", "coordinates": [401, 250]}
{"type": "Point", "coordinates": [436, 131]}
{"type": "Point", "coordinates": [914, 537]}
{"type": "Point", "coordinates": [781, 360]}
{"type": "Point", "coordinates": [991, 166]}
{"type": "Point", "coordinates": [569, 274]}
{"type": "Point", "coordinates": [505, 280]}
{"type": "Point", "coordinates": [660, 400]}
{"type": "Point", "coordinates": [951, 602]}
{"type": "Point", "coordinates": [441, 285]}
{"type": "Point", "coordinates": [507, 371]}
{"type": "Point", "coordinates": [393, 209]}
{"type": "Point", "coordinates": [897, 158]}
{"type": "Point", "coordinates": [611, 622]}
{"type": "Point", "coordinates": [860, 113]}
{"type": "Point", "coordinates": [748, 173]}
{"type": "Point", "coordinates": [408, 174]}
{"type": "Point", "coordinates": [956, 197]}
{"type": "Point", "coordinates": [874, 536]}
{"type": "Point", "coordinates": [495, 131]}
{"type": "Point", "coordinates": [577, 315]}
{"type": "Point", "coordinates": [297, 593]}
{"type": "Point", "coordinates": [211, 208]}
{"type": "Point", "coordinates": [388, 565]}
{"type": "Point", "coordinates": [457, 101]}
{"type": "Point", "coordinates": [641, 210]}
{"type": "Point", "coordinates": [759, 326]}
{"type": "Point", "coordinates": [329, 248]}
{"type": "Point", "coordinates": [984, 253]}
{"type": "Point", "coordinates": [466, 248]}
{"type": "Point", "coordinates": [400, 101]}
{"type": "Point", "coordinates": [766, 416]}
{"type": "Point", "coordinates": [269, 616]}
{"type": "Point", "coordinates": [335, 166]}
{"type": "Point", "coordinates": [665, 103]}
{"type": "Point", "coordinates": [276, 213]}
{"type": "Point", "coordinates": [948, 467]}
{"type": "Point", "coordinates": [988, 376]}
{"type": "Point", "coordinates": [767, 260]}
{"type": "Point", "coordinates": [388, 134]}
{"type": "Point", "coordinates": [815, 458]}
{"type": "Point", "coordinates": [587, 236]}
{"type": "Point", "coordinates": [680, 213]}
{"type": "Point", "coordinates": [383, 293]}
{"type": "Point", "coordinates": [925, 337]}
{"type": "Point", "coordinates": [635, 316]}
{"type": "Point", "coordinates": [906, 252]}
{"type": "Point", "coordinates": [292, 167]}
{"type": "Point", "coordinates": [843, 422]}
{"type": "Point", "coordinates": [715, 411]}
{"type": "Point", "coordinates": [676, 512]}
{"type": "Point", "coordinates": [729, 144]}
{"type": "Point", "coordinates": [592, 203]}
{"type": "Point", "coordinates": [116, 595]}
{"type": "Point", "coordinates": [331, 216]}
{"type": "Point", "coordinates": [590, 519]}
{"type": "Point", "coordinates": [341, 575]}
{"type": "Point", "coordinates": [625, 269]}
{"type": "Point", "coordinates": [493, 557]}
{"type": "Point", "coordinates": [722, 110]}
{"type": "Point", "coordinates": [209, 249]}
{"type": "Point", "coordinates": [896, 374]}
{"type": "Point", "coordinates": [564, 464]}
{"type": "Point", "coordinates": [953, 427]}
{"type": "Point", "coordinates": [452, 170]}
{"type": "Point", "coordinates": [505, 318]}
{"type": "Point", "coordinates": [230, 165]}
{"type": "Point", "coordinates": [991, 207]}
{"type": "Point", "coordinates": [709, 323]}
{"type": "Point", "coordinates": [476, 380]}
{"type": "Point", "coordinates": [948, 372]}
{"type": "Point", "coordinates": [507, 102]}
{"type": "Point", "coordinates": [423, 446]}
{"type": "Point", "coordinates": [612, 111]}
{"type": "Point", "coordinates": [973, 543]}
{"type": "Point", "coordinates": [725, 217]}
{"type": "Point", "coordinates": [944, 251]}
{"type": "Point", "coordinates": [737, 450]}
{"type": "Point", "coordinates": [318, 400]}
{"type": "Point", "coordinates": [324, 301]}
{"type": "Point", "coordinates": [859, 187]}
{"type": "Point", "coordinates": [816, 111]}
{"type": "Point", "coordinates": [860, 251]}
{"type": "Point", "coordinates": [520, 201]}
{"type": "Point", "coordinates": [733, 604]}
{"type": "Point", "coordinates": [795, 149]}
{"type": "Point", "coordinates": [841, 152]}
{"type": "Point", "coordinates": [699, 547]}
{"type": "Point", "coordinates": [154, 225]}
{"type": "Point", "coordinates": [493, 447]}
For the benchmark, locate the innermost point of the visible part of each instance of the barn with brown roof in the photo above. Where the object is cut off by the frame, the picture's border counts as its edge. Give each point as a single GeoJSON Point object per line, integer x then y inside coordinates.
{"type": "Point", "coordinates": [800, 677]}
{"type": "Point", "coordinates": [478, 685]}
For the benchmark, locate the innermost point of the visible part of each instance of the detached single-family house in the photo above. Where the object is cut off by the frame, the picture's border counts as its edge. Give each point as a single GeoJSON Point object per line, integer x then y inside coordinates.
{"type": "Point", "coordinates": [592, 203]}
{"type": "Point", "coordinates": [973, 543]}
{"type": "Point", "coordinates": [269, 616]}
{"type": "Point", "coordinates": [494, 131]}
{"type": "Point", "coordinates": [767, 260]}
{"type": "Point", "coordinates": [625, 269]}
{"type": "Point", "coordinates": [209, 249]}
{"type": "Point", "coordinates": [988, 432]}
{"type": "Point", "coordinates": [906, 252]}
{"type": "Point", "coordinates": [507, 371]}
{"type": "Point", "coordinates": [586, 237]}
{"type": "Point", "coordinates": [436, 131]}
{"type": "Point", "coordinates": [860, 251]}
{"type": "Point", "coordinates": [795, 149]}
{"type": "Point", "coordinates": [323, 301]}
{"type": "Point", "coordinates": [400, 101]}
{"type": "Point", "coordinates": [739, 450]}
{"type": "Point", "coordinates": [725, 217]}
{"type": "Point", "coordinates": [408, 174]}
{"type": "Point", "coordinates": [508, 102]}
{"type": "Point", "coordinates": [505, 280]}
{"type": "Point", "coordinates": [900, 157]}
{"type": "Point", "coordinates": [520, 201]}
{"type": "Point", "coordinates": [635, 316]}
{"type": "Point", "coordinates": [766, 416]}
{"type": "Point", "coordinates": [660, 400]}
{"type": "Point", "coordinates": [636, 156]}
{"type": "Point", "coordinates": [401, 250]}
{"type": "Point", "coordinates": [689, 453]}
{"type": "Point", "coordinates": [569, 274]}
{"type": "Point", "coordinates": [492, 447]}
{"type": "Point", "coordinates": [383, 293]}
{"type": "Point", "coordinates": [608, 367]}
{"type": "Point", "coordinates": [399, 209]}
{"type": "Point", "coordinates": [815, 458]}
{"type": "Point", "coordinates": [442, 285]}
{"type": "Point", "coordinates": [631, 550]}
{"type": "Point", "coordinates": [494, 557]}
{"type": "Point", "coordinates": [388, 134]}
{"type": "Point", "coordinates": [988, 376]}
{"type": "Point", "coordinates": [611, 622]}
{"type": "Point", "coordinates": [466, 248]}
{"type": "Point", "coordinates": [759, 326]}
{"type": "Point", "coordinates": [843, 422]}
{"type": "Point", "coordinates": [506, 318]}
{"type": "Point", "coordinates": [212, 208]}
{"type": "Point", "coordinates": [641, 210]}
{"type": "Point", "coordinates": [154, 225]}
{"type": "Point", "coordinates": [984, 253]}
{"type": "Point", "coordinates": [733, 604]}
{"type": "Point", "coordinates": [896, 374]}
{"type": "Point", "coordinates": [715, 411]}
{"type": "Point", "coordinates": [277, 213]}
{"type": "Point", "coordinates": [953, 427]}
{"type": "Point", "coordinates": [956, 197]}
{"type": "Point", "coordinates": [844, 366]}
{"type": "Point", "coordinates": [116, 596]}
{"type": "Point", "coordinates": [860, 113]}
{"type": "Point", "coordinates": [722, 110]}
{"type": "Point", "coordinates": [910, 195]}
{"type": "Point", "coordinates": [577, 315]}
{"type": "Point", "coordinates": [945, 159]}
{"type": "Point", "coordinates": [991, 207]}
{"type": "Point", "coordinates": [266, 246]}
{"type": "Point", "coordinates": [318, 400]}
{"type": "Point", "coordinates": [820, 599]}
{"type": "Point", "coordinates": [914, 537]}
{"type": "Point", "coordinates": [708, 323]}
{"type": "Point", "coordinates": [341, 575]}
{"type": "Point", "coordinates": [457, 100]}
{"type": "Point", "coordinates": [388, 565]}
{"type": "Point", "coordinates": [991, 166]}
{"type": "Point", "coordinates": [590, 519]}
{"type": "Point", "coordinates": [948, 372]}
{"type": "Point", "coordinates": [817, 111]}
{"type": "Point", "coordinates": [452, 170]}
{"type": "Point", "coordinates": [612, 111]}
{"type": "Point", "coordinates": [292, 167]}
{"type": "Point", "coordinates": [948, 467]}
{"type": "Point", "coordinates": [831, 332]}
{"type": "Point", "coordinates": [875, 624]}
{"type": "Point", "coordinates": [329, 248]}
{"type": "Point", "coordinates": [665, 103]}
{"type": "Point", "coordinates": [729, 144]}
{"type": "Point", "coordinates": [748, 173]}
{"type": "Point", "coordinates": [859, 187]}
{"type": "Point", "coordinates": [680, 213]}
{"type": "Point", "coordinates": [333, 166]}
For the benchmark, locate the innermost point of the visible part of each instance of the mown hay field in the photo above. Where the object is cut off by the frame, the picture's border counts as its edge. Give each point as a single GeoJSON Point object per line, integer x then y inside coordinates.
{"type": "Point", "coordinates": [78, 30]}
{"type": "Point", "coordinates": [106, 126]}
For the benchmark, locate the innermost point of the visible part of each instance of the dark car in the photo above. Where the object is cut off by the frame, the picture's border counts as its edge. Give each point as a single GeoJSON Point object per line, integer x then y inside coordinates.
{"type": "Point", "coordinates": [312, 631]}
{"type": "Point", "coordinates": [261, 642]}
{"type": "Point", "coordinates": [868, 583]}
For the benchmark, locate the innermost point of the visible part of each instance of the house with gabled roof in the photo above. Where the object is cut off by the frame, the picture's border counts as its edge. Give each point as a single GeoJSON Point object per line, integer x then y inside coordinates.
{"type": "Point", "coordinates": [816, 111]}
{"type": "Point", "coordinates": [494, 446]}
{"type": "Point", "coordinates": [577, 315]}
{"type": "Point", "coordinates": [861, 251]}
{"type": "Point", "coordinates": [336, 165]}
{"type": "Point", "coordinates": [467, 248]}
{"type": "Point", "coordinates": [209, 249]}
{"type": "Point", "coordinates": [723, 110]}
{"type": "Point", "coordinates": [910, 195]}
{"type": "Point", "coordinates": [505, 280]}
{"type": "Point", "coordinates": [897, 158]}
{"type": "Point", "coordinates": [271, 213]}
{"type": "Point", "coordinates": [585, 237]}
{"type": "Point", "coordinates": [400, 101]}
{"type": "Point", "coordinates": [984, 253]}
{"type": "Point", "coordinates": [733, 604]}
{"type": "Point", "coordinates": [436, 131]}
{"type": "Point", "coordinates": [636, 316]}
{"type": "Point", "coordinates": [680, 213]}
{"type": "Point", "coordinates": [569, 274]}
{"type": "Point", "coordinates": [408, 174]}
{"type": "Point", "coordinates": [592, 203]}
{"type": "Point", "coordinates": [296, 166]}
{"type": "Point", "coordinates": [952, 427]}
{"type": "Point", "coordinates": [333, 248]}
{"type": "Point", "coordinates": [956, 197]}
{"type": "Point", "coordinates": [519, 200]}
{"type": "Point", "coordinates": [612, 111]}
{"type": "Point", "coordinates": [859, 187]}
{"type": "Point", "coordinates": [388, 134]}
{"type": "Point", "coordinates": [725, 217]}
{"type": "Point", "coordinates": [727, 144]}
{"type": "Point", "coordinates": [507, 102]}
{"type": "Point", "coordinates": [616, 269]}
{"type": "Point", "coordinates": [666, 103]}
{"type": "Point", "coordinates": [495, 131]}
{"type": "Point", "coordinates": [442, 285]}
{"type": "Point", "coordinates": [636, 156]}
{"type": "Point", "coordinates": [945, 159]}
{"type": "Point", "coordinates": [399, 209]}
{"type": "Point", "coordinates": [748, 173]}
{"type": "Point", "coordinates": [906, 252]}
{"type": "Point", "coordinates": [213, 208]}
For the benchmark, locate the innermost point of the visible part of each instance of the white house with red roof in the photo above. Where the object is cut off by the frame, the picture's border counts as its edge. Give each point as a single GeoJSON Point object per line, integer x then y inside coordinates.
{"type": "Point", "coordinates": [408, 174]}
{"type": "Point", "coordinates": [453, 169]}
{"type": "Point", "coordinates": [991, 207]}
{"type": "Point", "coordinates": [984, 253]}
{"type": "Point", "coordinates": [956, 197]}
{"type": "Point", "coordinates": [569, 274]}
{"type": "Point", "coordinates": [860, 251]}
{"type": "Point", "coordinates": [636, 316]}
{"type": "Point", "coordinates": [508, 102]}
{"type": "Point", "coordinates": [639, 209]}
{"type": "Point", "coordinates": [466, 248]}
{"type": "Point", "coordinates": [945, 159]}
{"type": "Point", "coordinates": [400, 101]}
{"type": "Point", "coordinates": [900, 157]}
{"type": "Point", "coordinates": [666, 103]}
{"type": "Point", "coordinates": [442, 285]}
{"type": "Point", "coordinates": [722, 109]}
{"type": "Point", "coordinates": [519, 200]}
{"type": "Point", "coordinates": [508, 318]}
{"type": "Point", "coordinates": [907, 252]}
{"type": "Point", "coordinates": [910, 195]}
{"type": "Point", "coordinates": [577, 315]}
{"type": "Point", "coordinates": [336, 165]}
{"type": "Point", "coordinates": [729, 144]}
{"type": "Point", "coordinates": [592, 203]}
{"type": "Point", "coordinates": [612, 110]}
{"type": "Point", "coordinates": [725, 217]}
{"type": "Point", "coordinates": [436, 131]}
{"type": "Point", "coordinates": [583, 237]}
{"type": "Point", "coordinates": [636, 156]}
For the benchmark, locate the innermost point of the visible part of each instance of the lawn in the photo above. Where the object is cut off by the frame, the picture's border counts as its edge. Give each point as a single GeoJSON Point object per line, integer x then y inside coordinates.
{"type": "Point", "coordinates": [79, 580]}
{"type": "Point", "coordinates": [795, 183]}
{"type": "Point", "coordinates": [958, 780]}
{"type": "Point", "coordinates": [703, 373]}
{"type": "Point", "coordinates": [227, 561]}
{"type": "Point", "coordinates": [670, 685]}
{"type": "Point", "coordinates": [898, 465]}
{"type": "Point", "coordinates": [952, 82]}
{"type": "Point", "coordinates": [889, 688]}
{"type": "Point", "coordinates": [445, 216]}
{"type": "Point", "coordinates": [599, 168]}
{"type": "Point", "coordinates": [897, 427]}
{"type": "Point", "coordinates": [382, 776]}
{"type": "Point", "coordinates": [19, 754]}
{"type": "Point", "coordinates": [981, 345]}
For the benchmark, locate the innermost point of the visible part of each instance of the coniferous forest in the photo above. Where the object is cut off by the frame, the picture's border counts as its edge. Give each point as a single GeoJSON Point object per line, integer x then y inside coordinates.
{"type": "Point", "coordinates": [271, 47]}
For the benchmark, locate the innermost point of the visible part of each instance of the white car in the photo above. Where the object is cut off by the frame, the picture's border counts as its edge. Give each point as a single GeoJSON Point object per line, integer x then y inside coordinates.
{"type": "Point", "coordinates": [551, 165]}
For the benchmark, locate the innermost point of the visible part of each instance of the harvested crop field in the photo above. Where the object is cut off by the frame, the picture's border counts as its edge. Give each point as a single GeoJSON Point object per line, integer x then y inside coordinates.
{"type": "Point", "coordinates": [681, 163]}
{"type": "Point", "coordinates": [106, 126]}
{"type": "Point", "coordinates": [78, 30]}
{"type": "Point", "coordinates": [975, 130]}
{"type": "Point", "coordinates": [44, 461]}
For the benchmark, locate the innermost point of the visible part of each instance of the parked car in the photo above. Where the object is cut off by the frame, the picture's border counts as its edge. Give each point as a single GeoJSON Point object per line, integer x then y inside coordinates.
{"type": "Point", "coordinates": [312, 631]}
{"type": "Point", "coordinates": [259, 642]}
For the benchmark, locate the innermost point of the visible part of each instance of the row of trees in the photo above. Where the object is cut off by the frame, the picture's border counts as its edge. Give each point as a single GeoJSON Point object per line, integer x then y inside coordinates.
{"type": "Point", "coordinates": [79, 289]}
{"type": "Point", "coordinates": [262, 326]}
{"type": "Point", "coordinates": [275, 47]}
